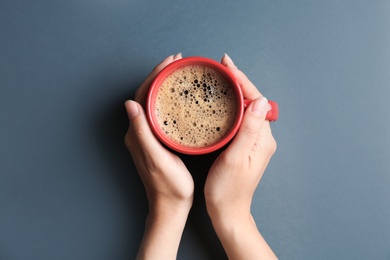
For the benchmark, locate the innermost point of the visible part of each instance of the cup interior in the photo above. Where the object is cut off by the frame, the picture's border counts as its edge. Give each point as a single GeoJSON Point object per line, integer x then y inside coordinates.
{"type": "Point", "coordinates": [168, 70]}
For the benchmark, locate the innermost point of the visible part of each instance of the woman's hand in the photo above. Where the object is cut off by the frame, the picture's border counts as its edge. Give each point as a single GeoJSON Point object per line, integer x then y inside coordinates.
{"type": "Point", "coordinates": [235, 174]}
{"type": "Point", "coordinates": [169, 185]}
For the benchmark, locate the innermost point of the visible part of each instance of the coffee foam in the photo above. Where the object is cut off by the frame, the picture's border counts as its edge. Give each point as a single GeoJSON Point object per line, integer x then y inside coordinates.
{"type": "Point", "coordinates": [195, 106]}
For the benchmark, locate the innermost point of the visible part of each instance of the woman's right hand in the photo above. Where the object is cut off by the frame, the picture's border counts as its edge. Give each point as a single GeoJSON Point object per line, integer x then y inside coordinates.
{"type": "Point", "coordinates": [234, 176]}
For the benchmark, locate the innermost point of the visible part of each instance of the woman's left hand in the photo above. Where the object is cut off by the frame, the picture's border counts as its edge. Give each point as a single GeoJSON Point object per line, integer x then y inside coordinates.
{"type": "Point", "coordinates": [169, 185]}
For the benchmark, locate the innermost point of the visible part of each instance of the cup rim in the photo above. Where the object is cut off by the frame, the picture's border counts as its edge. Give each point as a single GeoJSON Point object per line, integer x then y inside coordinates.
{"type": "Point", "coordinates": [163, 74]}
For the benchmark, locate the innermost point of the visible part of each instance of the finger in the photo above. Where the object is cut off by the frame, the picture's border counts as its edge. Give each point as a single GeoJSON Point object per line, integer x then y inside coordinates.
{"type": "Point", "coordinates": [142, 91]}
{"type": "Point", "coordinates": [251, 127]}
{"type": "Point", "coordinates": [140, 129]}
{"type": "Point", "coordinates": [266, 140]}
{"type": "Point", "coordinates": [249, 90]}
{"type": "Point", "coordinates": [228, 62]}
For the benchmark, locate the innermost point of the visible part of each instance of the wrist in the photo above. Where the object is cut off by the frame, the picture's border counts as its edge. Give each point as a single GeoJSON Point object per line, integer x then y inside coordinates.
{"type": "Point", "coordinates": [241, 239]}
{"type": "Point", "coordinates": [162, 206]}
{"type": "Point", "coordinates": [230, 222]}
{"type": "Point", "coordinates": [164, 227]}
{"type": "Point", "coordinates": [228, 212]}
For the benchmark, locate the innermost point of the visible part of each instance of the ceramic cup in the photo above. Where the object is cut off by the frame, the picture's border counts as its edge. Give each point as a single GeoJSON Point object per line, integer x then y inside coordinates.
{"type": "Point", "coordinates": [239, 100]}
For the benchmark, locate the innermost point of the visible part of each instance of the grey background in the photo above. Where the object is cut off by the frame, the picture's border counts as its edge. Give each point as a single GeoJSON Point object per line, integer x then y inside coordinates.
{"type": "Point", "coordinates": [68, 187]}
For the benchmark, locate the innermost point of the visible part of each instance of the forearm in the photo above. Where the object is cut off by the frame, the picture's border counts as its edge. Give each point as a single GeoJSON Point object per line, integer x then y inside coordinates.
{"type": "Point", "coordinates": [163, 231]}
{"type": "Point", "coordinates": [241, 239]}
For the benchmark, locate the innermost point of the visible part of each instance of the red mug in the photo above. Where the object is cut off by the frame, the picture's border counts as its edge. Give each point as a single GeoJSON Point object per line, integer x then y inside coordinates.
{"type": "Point", "coordinates": [241, 104]}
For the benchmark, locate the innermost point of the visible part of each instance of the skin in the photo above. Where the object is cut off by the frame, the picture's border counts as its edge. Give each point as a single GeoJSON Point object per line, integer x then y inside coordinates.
{"type": "Point", "coordinates": [230, 184]}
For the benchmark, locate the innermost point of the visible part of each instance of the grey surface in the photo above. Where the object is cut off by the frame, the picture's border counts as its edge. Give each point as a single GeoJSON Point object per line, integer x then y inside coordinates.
{"type": "Point", "coordinates": [68, 188]}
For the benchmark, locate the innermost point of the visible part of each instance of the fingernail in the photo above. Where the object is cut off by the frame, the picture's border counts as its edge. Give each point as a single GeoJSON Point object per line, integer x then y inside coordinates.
{"type": "Point", "coordinates": [178, 56]}
{"type": "Point", "coordinates": [132, 108]}
{"type": "Point", "coordinates": [260, 106]}
{"type": "Point", "coordinates": [228, 61]}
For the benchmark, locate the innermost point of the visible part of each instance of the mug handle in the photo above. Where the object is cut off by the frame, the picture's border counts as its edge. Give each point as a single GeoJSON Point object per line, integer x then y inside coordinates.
{"type": "Point", "coordinates": [272, 115]}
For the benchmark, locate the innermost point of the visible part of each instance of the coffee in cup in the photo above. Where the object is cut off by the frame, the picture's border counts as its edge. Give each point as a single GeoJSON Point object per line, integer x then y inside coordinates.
{"type": "Point", "coordinates": [195, 106]}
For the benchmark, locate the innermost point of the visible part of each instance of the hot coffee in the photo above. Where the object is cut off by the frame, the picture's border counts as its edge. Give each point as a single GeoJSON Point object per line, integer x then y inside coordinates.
{"type": "Point", "coordinates": [196, 106]}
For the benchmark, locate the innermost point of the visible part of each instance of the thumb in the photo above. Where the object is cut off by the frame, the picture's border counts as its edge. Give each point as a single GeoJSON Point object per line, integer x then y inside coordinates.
{"type": "Point", "coordinates": [140, 129]}
{"type": "Point", "coordinates": [252, 122]}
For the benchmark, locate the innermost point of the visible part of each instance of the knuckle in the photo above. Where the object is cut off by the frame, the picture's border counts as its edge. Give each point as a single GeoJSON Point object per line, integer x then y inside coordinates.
{"type": "Point", "coordinates": [271, 145]}
{"type": "Point", "coordinates": [251, 130]}
{"type": "Point", "coordinates": [150, 166]}
{"type": "Point", "coordinates": [127, 140]}
{"type": "Point", "coordinates": [133, 137]}
{"type": "Point", "coordinates": [137, 132]}
{"type": "Point", "coordinates": [230, 160]}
